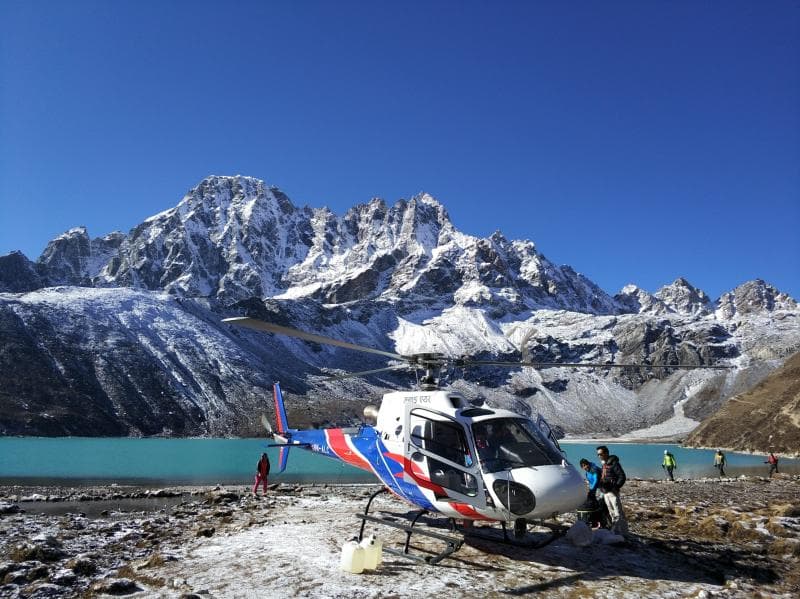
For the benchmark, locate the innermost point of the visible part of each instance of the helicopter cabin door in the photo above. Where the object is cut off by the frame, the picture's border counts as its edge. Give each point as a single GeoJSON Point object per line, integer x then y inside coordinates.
{"type": "Point", "coordinates": [439, 458]}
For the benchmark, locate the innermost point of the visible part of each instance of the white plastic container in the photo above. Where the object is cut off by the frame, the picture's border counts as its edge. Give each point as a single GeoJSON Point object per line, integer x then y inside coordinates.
{"type": "Point", "coordinates": [352, 557]}
{"type": "Point", "coordinates": [373, 552]}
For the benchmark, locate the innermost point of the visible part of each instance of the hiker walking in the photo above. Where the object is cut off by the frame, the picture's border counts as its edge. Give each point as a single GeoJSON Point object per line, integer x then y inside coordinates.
{"type": "Point", "coordinates": [262, 473]}
{"type": "Point", "coordinates": [720, 462]}
{"type": "Point", "coordinates": [772, 460]}
{"type": "Point", "coordinates": [669, 464]}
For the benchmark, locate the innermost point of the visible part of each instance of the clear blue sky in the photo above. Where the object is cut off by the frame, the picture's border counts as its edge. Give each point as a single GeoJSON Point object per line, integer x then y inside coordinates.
{"type": "Point", "coordinates": [635, 141]}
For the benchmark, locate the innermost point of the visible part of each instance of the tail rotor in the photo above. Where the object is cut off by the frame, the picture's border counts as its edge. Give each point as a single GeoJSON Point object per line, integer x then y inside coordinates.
{"type": "Point", "coordinates": [267, 426]}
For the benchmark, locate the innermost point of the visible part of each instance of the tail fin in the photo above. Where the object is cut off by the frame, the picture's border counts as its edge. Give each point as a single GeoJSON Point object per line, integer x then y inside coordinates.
{"type": "Point", "coordinates": [283, 426]}
{"type": "Point", "coordinates": [280, 411]}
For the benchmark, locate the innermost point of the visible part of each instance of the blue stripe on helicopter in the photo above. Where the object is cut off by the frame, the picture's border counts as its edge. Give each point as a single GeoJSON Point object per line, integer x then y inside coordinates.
{"type": "Point", "coordinates": [365, 450]}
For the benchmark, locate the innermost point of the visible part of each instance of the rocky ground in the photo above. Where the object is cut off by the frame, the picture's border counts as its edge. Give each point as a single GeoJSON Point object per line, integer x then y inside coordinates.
{"type": "Point", "coordinates": [698, 538]}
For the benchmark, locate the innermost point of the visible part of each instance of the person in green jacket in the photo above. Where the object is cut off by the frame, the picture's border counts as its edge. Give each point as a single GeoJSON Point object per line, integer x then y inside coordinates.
{"type": "Point", "coordinates": [720, 462]}
{"type": "Point", "coordinates": [669, 464]}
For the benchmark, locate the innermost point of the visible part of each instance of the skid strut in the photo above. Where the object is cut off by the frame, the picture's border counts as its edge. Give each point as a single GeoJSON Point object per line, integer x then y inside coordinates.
{"type": "Point", "coordinates": [452, 544]}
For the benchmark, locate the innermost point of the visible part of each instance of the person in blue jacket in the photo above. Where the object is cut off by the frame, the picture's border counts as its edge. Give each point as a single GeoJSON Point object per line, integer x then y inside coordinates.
{"type": "Point", "coordinates": [594, 498]}
{"type": "Point", "coordinates": [592, 471]}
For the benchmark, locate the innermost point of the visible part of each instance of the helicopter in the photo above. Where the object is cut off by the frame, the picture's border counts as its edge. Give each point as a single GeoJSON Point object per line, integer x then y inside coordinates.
{"type": "Point", "coordinates": [442, 453]}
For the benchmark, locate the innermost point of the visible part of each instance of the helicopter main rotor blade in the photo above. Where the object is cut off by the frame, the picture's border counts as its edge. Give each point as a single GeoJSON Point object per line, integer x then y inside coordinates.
{"type": "Point", "coordinates": [336, 377]}
{"type": "Point", "coordinates": [261, 325]}
{"type": "Point", "coordinates": [585, 365]}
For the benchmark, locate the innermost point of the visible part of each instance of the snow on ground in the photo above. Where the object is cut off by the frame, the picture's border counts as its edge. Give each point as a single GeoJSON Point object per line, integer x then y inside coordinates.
{"type": "Point", "coordinates": [300, 557]}
{"type": "Point", "coordinates": [679, 424]}
{"type": "Point", "coordinates": [294, 550]}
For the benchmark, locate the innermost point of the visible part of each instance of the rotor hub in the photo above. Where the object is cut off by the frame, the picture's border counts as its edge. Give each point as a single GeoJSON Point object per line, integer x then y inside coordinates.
{"type": "Point", "coordinates": [432, 363]}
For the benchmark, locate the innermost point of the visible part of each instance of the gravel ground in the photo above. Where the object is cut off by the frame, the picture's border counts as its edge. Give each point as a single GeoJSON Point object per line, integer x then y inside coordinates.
{"type": "Point", "coordinates": [692, 538]}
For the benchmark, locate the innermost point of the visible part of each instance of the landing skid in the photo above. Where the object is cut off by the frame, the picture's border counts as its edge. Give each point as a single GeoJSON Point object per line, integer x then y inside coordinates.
{"type": "Point", "coordinates": [556, 532]}
{"type": "Point", "coordinates": [452, 544]}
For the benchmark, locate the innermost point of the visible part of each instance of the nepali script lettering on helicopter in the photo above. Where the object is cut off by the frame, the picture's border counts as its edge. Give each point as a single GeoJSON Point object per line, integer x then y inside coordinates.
{"type": "Point", "coordinates": [417, 399]}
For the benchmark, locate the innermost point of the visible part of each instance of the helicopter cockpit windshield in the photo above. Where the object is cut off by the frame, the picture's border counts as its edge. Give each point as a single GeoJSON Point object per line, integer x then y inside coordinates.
{"type": "Point", "coordinates": [505, 443]}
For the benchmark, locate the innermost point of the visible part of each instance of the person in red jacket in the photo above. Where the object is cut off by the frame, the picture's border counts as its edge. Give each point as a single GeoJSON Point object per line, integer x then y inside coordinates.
{"type": "Point", "coordinates": [772, 460]}
{"type": "Point", "coordinates": [262, 473]}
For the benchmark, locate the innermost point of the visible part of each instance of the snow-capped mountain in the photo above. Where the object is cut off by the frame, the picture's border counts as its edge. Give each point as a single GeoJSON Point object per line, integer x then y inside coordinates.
{"type": "Point", "coordinates": [753, 297]}
{"type": "Point", "coordinates": [121, 334]}
{"type": "Point", "coordinates": [680, 297]}
{"type": "Point", "coordinates": [234, 238]}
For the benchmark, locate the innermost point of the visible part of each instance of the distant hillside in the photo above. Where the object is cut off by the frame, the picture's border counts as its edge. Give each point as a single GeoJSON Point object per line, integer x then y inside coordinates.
{"type": "Point", "coordinates": [766, 417]}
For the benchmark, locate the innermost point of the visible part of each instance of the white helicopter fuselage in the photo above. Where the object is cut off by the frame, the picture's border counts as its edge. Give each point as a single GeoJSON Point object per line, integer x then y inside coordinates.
{"type": "Point", "coordinates": [471, 462]}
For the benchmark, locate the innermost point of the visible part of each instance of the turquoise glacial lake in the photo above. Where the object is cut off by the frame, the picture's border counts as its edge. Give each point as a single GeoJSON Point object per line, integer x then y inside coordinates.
{"type": "Point", "coordinates": [85, 461]}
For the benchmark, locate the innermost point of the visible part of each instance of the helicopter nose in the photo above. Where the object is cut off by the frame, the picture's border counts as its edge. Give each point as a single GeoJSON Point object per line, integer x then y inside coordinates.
{"type": "Point", "coordinates": [540, 492]}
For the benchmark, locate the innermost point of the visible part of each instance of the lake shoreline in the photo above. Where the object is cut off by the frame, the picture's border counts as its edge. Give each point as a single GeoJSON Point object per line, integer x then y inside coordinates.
{"type": "Point", "coordinates": [671, 440]}
{"type": "Point", "coordinates": [180, 462]}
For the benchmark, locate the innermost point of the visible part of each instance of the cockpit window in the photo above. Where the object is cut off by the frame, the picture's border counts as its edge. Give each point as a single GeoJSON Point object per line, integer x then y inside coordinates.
{"type": "Point", "coordinates": [505, 443]}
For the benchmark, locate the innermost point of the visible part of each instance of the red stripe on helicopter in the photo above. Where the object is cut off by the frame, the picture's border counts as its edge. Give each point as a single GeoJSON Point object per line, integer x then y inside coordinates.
{"type": "Point", "coordinates": [394, 456]}
{"type": "Point", "coordinates": [281, 422]}
{"type": "Point", "coordinates": [338, 444]}
{"type": "Point", "coordinates": [418, 477]}
{"type": "Point", "coordinates": [469, 511]}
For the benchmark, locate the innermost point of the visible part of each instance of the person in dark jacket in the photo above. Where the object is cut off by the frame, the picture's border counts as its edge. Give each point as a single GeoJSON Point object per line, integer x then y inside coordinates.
{"type": "Point", "coordinates": [720, 462]}
{"type": "Point", "coordinates": [262, 473]}
{"type": "Point", "coordinates": [612, 477]}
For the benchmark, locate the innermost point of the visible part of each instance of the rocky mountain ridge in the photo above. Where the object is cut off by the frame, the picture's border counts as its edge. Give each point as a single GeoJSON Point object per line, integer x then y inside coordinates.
{"type": "Point", "coordinates": [129, 323]}
{"type": "Point", "coordinates": [233, 238]}
{"type": "Point", "coordinates": [764, 418]}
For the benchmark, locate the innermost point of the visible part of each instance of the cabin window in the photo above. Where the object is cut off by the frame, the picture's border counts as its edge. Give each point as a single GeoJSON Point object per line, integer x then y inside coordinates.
{"type": "Point", "coordinates": [446, 451]}
{"type": "Point", "coordinates": [444, 438]}
{"type": "Point", "coordinates": [544, 426]}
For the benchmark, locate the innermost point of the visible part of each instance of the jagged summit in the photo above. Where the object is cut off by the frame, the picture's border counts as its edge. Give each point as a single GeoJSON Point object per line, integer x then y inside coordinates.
{"type": "Point", "coordinates": [682, 297]}
{"type": "Point", "coordinates": [753, 297]}
{"type": "Point", "coordinates": [638, 301]}
{"type": "Point", "coordinates": [679, 297]}
{"type": "Point", "coordinates": [235, 237]}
